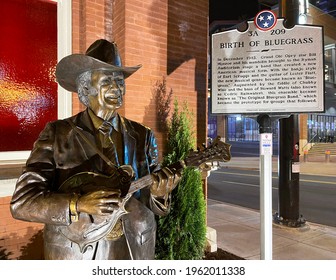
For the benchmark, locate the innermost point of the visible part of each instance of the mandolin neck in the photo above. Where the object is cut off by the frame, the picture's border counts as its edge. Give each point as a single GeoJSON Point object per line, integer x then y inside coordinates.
{"type": "Point", "coordinates": [140, 184]}
{"type": "Point", "coordinates": [148, 180]}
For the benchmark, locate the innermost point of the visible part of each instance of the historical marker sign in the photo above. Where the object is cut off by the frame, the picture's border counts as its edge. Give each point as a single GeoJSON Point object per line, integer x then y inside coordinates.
{"type": "Point", "coordinates": [268, 68]}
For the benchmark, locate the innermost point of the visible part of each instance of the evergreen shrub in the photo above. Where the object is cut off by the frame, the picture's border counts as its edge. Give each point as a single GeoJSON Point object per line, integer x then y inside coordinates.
{"type": "Point", "coordinates": [181, 235]}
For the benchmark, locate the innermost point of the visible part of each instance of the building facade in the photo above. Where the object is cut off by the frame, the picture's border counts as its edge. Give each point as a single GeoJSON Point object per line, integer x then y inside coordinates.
{"type": "Point", "coordinates": [168, 37]}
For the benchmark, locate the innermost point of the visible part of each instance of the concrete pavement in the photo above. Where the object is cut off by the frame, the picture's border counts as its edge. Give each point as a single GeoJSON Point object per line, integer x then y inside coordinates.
{"type": "Point", "coordinates": [238, 228]}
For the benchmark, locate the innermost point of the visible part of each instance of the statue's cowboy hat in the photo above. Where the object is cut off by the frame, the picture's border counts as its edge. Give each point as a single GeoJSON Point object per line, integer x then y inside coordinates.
{"type": "Point", "coordinates": [101, 55]}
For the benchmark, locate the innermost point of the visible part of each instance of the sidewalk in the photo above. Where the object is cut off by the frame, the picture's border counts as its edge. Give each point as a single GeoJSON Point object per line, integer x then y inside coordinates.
{"type": "Point", "coordinates": [238, 228]}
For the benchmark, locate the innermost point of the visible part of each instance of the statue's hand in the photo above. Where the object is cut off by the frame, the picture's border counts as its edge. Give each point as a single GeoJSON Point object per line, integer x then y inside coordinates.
{"type": "Point", "coordinates": [164, 181]}
{"type": "Point", "coordinates": [99, 202]}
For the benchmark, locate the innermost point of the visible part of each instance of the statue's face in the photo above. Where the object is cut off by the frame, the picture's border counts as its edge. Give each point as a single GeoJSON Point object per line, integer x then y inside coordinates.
{"type": "Point", "coordinates": [108, 94]}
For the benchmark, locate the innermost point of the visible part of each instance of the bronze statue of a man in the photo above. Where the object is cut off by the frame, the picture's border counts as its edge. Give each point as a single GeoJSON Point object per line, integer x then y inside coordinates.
{"type": "Point", "coordinates": [73, 181]}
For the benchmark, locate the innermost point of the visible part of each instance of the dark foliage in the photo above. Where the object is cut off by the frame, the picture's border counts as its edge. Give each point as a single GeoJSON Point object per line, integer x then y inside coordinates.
{"type": "Point", "coordinates": [220, 254]}
{"type": "Point", "coordinates": [182, 233]}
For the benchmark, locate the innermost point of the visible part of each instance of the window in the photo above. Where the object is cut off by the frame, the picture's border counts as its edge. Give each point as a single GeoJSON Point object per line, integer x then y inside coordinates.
{"type": "Point", "coordinates": [29, 31]}
{"type": "Point", "coordinates": [28, 56]}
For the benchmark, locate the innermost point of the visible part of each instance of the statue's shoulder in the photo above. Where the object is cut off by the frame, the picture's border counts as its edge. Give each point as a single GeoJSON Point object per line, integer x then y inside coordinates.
{"type": "Point", "coordinates": [64, 123]}
{"type": "Point", "coordinates": [134, 125]}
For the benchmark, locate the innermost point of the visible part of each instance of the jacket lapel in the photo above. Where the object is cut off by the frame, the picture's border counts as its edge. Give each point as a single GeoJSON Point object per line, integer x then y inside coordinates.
{"type": "Point", "coordinates": [84, 123]}
{"type": "Point", "coordinates": [129, 142]}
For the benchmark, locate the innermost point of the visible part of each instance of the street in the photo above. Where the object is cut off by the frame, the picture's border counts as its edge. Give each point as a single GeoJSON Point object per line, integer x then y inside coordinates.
{"type": "Point", "coordinates": [241, 187]}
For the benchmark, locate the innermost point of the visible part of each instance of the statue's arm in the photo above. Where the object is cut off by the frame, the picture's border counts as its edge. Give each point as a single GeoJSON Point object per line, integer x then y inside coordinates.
{"type": "Point", "coordinates": [164, 182]}
{"type": "Point", "coordinates": [34, 198]}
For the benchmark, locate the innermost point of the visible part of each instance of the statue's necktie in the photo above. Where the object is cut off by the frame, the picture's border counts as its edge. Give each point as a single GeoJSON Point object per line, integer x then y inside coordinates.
{"type": "Point", "coordinates": [107, 141]}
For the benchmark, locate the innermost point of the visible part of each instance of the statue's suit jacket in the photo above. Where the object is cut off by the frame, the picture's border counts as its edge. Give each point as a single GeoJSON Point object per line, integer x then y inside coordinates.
{"type": "Point", "coordinates": [59, 153]}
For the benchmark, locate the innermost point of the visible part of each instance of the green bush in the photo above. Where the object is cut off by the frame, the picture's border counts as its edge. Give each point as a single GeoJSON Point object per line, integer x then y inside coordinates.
{"type": "Point", "coordinates": [181, 235]}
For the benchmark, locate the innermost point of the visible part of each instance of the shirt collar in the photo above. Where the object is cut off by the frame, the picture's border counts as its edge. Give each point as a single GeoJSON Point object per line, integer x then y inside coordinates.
{"type": "Point", "coordinates": [97, 121]}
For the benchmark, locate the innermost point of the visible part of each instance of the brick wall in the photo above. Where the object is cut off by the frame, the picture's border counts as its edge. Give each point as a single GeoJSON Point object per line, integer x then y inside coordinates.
{"type": "Point", "coordinates": [18, 239]}
{"type": "Point", "coordinates": [169, 38]}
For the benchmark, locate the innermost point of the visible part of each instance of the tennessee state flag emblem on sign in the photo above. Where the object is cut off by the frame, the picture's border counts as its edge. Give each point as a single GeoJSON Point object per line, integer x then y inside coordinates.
{"type": "Point", "coordinates": [265, 20]}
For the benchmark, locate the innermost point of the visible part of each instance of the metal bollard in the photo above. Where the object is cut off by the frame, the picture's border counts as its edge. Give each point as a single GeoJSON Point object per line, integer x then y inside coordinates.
{"type": "Point", "coordinates": [305, 156]}
{"type": "Point", "coordinates": [327, 156]}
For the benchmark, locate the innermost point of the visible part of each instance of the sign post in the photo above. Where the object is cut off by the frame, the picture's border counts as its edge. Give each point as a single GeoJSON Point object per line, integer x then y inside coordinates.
{"type": "Point", "coordinates": [266, 151]}
{"type": "Point", "coordinates": [266, 70]}
{"type": "Point", "coordinates": [288, 213]}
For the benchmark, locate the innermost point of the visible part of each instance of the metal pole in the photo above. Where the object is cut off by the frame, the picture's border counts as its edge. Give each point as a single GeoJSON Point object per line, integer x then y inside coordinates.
{"type": "Point", "coordinates": [289, 158]}
{"type": "Point", "coordinates": [266, 148]}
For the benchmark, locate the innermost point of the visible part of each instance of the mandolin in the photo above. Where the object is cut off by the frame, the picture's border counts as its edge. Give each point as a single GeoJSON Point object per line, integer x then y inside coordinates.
{"type": "Point", "coordinates": [91, 228]}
